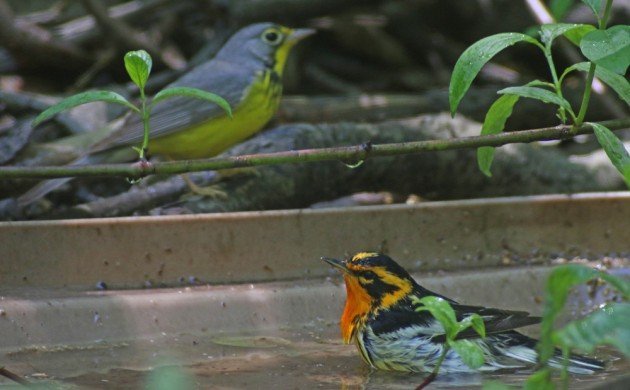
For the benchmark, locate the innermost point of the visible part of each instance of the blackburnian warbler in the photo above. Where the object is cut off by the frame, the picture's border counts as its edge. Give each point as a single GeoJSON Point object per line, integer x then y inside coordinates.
{"type": "Point", "coordinates": [380, 317]}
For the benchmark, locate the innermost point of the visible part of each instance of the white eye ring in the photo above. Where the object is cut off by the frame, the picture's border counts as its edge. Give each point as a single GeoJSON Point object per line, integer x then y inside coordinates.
{"type": "Point", "coordinates": [272, 37]}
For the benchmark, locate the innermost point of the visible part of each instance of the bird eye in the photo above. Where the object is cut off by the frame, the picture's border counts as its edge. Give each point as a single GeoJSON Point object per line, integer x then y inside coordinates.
{"type": "Point", "coordinates": [272, 37]}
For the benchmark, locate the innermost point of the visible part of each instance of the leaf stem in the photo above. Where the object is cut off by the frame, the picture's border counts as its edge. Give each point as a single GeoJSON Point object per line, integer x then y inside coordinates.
{"type": "Point", "coordinates": [556, 82]}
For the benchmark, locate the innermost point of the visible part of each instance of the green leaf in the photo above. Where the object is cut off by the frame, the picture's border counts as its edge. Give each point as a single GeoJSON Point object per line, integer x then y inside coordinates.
{"type": "Point", "coordinates": [620, 284]}
{"type": "Point", "coordinates": [539, 94]}
{"type": "Point", "coordinates": [442, 311]}
{"type": "Point", "coordinates": [475, 321]}
{"type": "Point", "coordinates": [169, 377]}
{"type": "Point", "coordinates": [618, 83]}
{"type": "Point", "coordinates": [594, 5]}
{"type": "Point", "coordinates": [606, 326]}
{"type": "Point", "coordinates": [496, 385]}
{"type": "Point", "coordinates": [474, 58]}
{"type": "Point", "coordinates": [560, 281]}
{"type": "Point", "coordinates": [82, 98]}
{"type": "Point", "coordinates": [195, 93]}
{"type": "Point", "coordinates": [494, 123]}
{"type": "Point", "coordinates": [540, 380]}
{"type": "Point", "coordinates": [576, 35]}
{"type": "Point", "coordinates": [138, 64]}
{"type": "Point", "coordinates": [615, 150]}
{"type": "Point", "coordinates": [549, 32]}
{"type": "Point", "coordinates": [608, 48]}
{"type": "Point", "coordinates": [559, 8]}
{"type": "Point", "coordinates": [470, 352]}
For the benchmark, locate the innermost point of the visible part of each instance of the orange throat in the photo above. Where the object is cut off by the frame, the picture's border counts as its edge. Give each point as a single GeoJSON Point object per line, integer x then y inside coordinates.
{"type": "Point", "coordinates": [358, 303]}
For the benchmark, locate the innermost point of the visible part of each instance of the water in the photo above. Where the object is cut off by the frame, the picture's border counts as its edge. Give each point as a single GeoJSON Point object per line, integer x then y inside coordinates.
{"type": "Point", "coordinates": [311, 358]}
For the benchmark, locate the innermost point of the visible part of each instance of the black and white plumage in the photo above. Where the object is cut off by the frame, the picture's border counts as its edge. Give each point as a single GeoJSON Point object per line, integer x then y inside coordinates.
{"type": "Point", "coordinates": [380, 317]}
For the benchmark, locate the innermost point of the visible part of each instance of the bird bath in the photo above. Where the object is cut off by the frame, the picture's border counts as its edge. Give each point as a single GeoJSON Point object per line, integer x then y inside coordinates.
{"type": "Point", "coordinates": [241, 299]}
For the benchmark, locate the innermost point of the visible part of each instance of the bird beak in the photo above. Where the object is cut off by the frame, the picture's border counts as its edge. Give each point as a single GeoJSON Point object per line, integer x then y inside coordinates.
{"type": "Point", "coordinates": [299, 34]}
{"type": "Point", "coordinates": [337, 264]}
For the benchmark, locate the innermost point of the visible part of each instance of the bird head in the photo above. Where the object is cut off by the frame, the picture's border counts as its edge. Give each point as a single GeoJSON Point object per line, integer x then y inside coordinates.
{"type": "Point", "coordinates": [374, 282]}
{"type": "Point", "coordinates": [266, 44]}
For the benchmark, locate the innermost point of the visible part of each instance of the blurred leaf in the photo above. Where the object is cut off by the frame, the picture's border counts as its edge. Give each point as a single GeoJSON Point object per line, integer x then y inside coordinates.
{"type": "Point", "coordinates": [559, 8]}
{"type": "Point", "coordinates": [474, 58]}
{"type": "Point", "coordinates": [606, 326]}
{"type": "Point", "coordinates": [138, 64]}
{"type": "Point", "coordinates": [594, 5]}
{"type": "Point", "coordinates": [195, 93]}
{"type": "Point", "coordinates": [620, 284]}
{"type": "Point", "coordinates": [549, 32]}
{"type": "Point", "coordinates": [494, 123]}
{"type": "Point", "coordinates": [559, 282]}
{"type": "Point", "coordinates": [442, 311]}
{"type": "Point", "coordinates": [537, 93]}
{"type": "Point", "coordinates": [475, 321]}
{"type": "Point", "coordinates": [614, 149]}
{"type": "Point", "coordinates": [608, 48]}
{"type": "Point", "coordinates": [82, 98]}
{"type": "Point", "coordinates": [540, 380]}
{"type": "Point", "coordinates": [618, 83]}
{"type": "Point", "coordinates": [470, 352]}
{"type": "Point", "coordinates": [496, 385]}
{"type": "Point", "coordinates": [169, 377]}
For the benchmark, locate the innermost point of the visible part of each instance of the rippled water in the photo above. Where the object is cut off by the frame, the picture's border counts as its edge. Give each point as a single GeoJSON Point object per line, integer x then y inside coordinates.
{"type": "Point", "coordinates": [313, 357]}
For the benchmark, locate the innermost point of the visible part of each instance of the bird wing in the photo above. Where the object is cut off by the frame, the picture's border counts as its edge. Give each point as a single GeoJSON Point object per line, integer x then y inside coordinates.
{"type": "Point", "coordinates": [495, 320]}
{"type": "Point", "coordinates": [227, 80]}
{"type": "Point", "coordinates": [404, 315]}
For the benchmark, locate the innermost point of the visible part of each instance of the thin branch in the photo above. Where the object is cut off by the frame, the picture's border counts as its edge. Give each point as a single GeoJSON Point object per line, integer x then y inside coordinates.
{"type": "Point", "coordinates": [349, 154]}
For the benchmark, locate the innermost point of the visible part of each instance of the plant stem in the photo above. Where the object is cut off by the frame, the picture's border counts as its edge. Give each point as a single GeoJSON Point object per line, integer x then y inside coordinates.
{"type": "Point", "coordinates": [556, 82]}
{"type": "Point", "coordinates": [591, 71]}
{"type": "Point", "coordinates": [564, 374]}
{"type": "Point", "coordinates": [587, 95]}
{"type": "Point", "coordinates": [145, 123]}
{"type": "Point", "coordinates": [435, 371]}
{"type": "Point", "coordinates": [343, 153]}
{"type": "Point", "coordinates": [604, 20]}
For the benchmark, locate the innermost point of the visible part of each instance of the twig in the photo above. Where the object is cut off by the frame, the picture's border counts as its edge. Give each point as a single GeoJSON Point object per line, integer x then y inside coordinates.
{"type": "Point", "coordinates": [120, 32]}
{"type": "Point", "coordinates": [346, 153]}
{"type": "Point", "coordinates": [14, 377]}
{"type": "Point", "coordinates": [35, 46]}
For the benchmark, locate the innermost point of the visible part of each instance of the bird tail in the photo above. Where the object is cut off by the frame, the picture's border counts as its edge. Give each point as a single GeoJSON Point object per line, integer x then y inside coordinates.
{"type": "Point", "coordinates": [578, 364]}
{"type": "Point", "coordinates": [523, 348]}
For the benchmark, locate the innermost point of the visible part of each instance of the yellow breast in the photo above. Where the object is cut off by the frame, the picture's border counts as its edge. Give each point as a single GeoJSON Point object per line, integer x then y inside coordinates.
{"type": "Point", "coordinates": [210, 138]}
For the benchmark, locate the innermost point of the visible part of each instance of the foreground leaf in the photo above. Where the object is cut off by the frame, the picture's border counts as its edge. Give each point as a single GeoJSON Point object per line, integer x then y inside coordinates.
{"type": "Point", "coordinates": [470, 352]}
{"type": "Point", "coordinates": [195, 93]}
{"type": "Point", "coordinates": [540, 380]}
{"type": "Point", "coordinates": [549, 32]}
{"type": "Point", "coordinates": [608, 48]}
{"type": "Point", "coordinates": [539, 94]}
{"type": "Point", "coordinates": [442, 311]}
{"type": "Point", "coordinates": [494, 123]}
{"type": "Point", "coordinates": [560, 281]}
{"type": "Point", "coordinates": [474, 58]}
{"type": "Point", "coordinates": [82, 98]}
{"type": "Point", "coordinates": [606, 326]}
{"type": "Point", "coordinates": [614, 149]}
{"type": "Point", "coordinates": [594, 5]}
{"type": "Point", "coordinates": [618, 83]}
